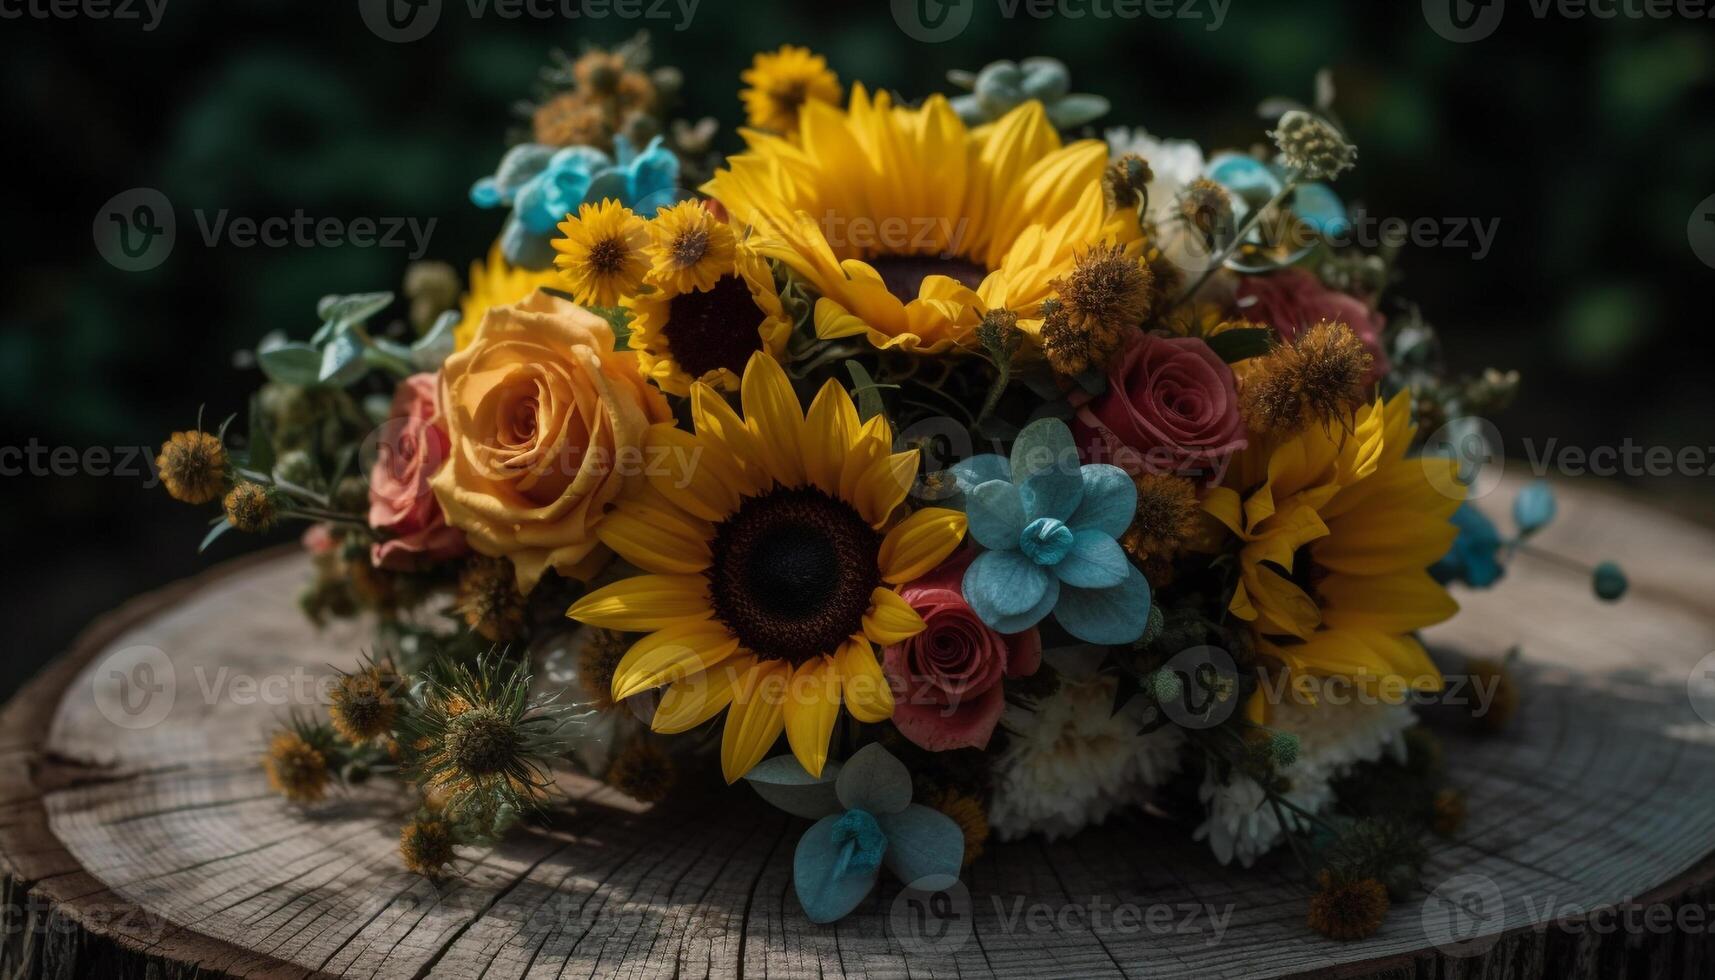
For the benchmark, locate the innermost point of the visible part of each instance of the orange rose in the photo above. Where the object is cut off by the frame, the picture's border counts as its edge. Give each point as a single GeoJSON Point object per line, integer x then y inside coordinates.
{"type": "Point", "coordinates": [545, 420]}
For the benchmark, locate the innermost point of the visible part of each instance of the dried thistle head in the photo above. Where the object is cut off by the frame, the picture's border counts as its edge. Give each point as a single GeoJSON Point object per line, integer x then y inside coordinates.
{"type": "Point", "coordinates": [250, 507]}
{"type": "Point", "coordinates": [362, 705]}
{"type": "Point", "coordinates": [1207, 207]}
{"type": "Point", "coordinates": [1322, 377]}
{"type": "Point", "coordinates": [1095, 309]}
{"type": "Point", "coordinates": [426, 845]}
{"type": "Point", "coordinates": [1312, 146]}
{"type": "Point", "coordinates": [602, 651]}
{"type": "Point", "coordinates": [1166, 515]}
{"type": "Point", "coordinates": [489, 600]}
{"type": "Point", "coordinates": [1125, 182]}
{"type": "Point", "coordinates": [480, 736]}
{"type": "Point", "coordinates": [571, 119]}
{"type": "Point", "coordinates": [297, 759]}
{"type": "Point", "coordinates": [192, 466]}
{"type": "Point", "coordinates": [643, 771]}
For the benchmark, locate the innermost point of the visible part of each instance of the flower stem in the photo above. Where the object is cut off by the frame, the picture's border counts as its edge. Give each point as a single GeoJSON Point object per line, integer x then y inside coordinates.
{"type": "Point", "coordinates": [1220, 257]}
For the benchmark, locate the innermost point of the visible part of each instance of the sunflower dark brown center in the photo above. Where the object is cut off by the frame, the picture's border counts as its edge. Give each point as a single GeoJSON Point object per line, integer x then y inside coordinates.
{"type": "Point", "coordinates": [792, 573]}
{"type": "Point", "coordinates": [904, 274]}
{"type": "Point", "coordinates": [714, 328]}
{"type": "Point", "coordinates": [607, 256]}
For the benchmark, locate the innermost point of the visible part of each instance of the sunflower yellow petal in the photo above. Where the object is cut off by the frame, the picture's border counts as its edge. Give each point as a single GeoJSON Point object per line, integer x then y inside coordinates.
{"type": "Point", "coordinates": [726, 435]}
{"type": "Point", "coordinates": [919, 543]}
{"type": "Point", "coordinates": [687, 703]}
{"type": "Point", "coordinates": [755, 718]}
{"type": "Point", "coordinates": [862, 682]}
{"type": "Point", "coordinates": [643, 602]}
{"type": "Point", "coordinates": [657, 541]}
{"type": "Point", "coordinates": [812, 706]}
{"type": "Point", "coordinates": [883, 488]}
{"type": "Point", "coordinates": [890, 618]}
{"type": "Point", "coordinates": [681, 468]}
{"type": "Point", "coordinates": [828, 430]}
{"type": "Point", "coordinates": [772, 414]}
{"type": "Point", "coordinates": [673, 653]}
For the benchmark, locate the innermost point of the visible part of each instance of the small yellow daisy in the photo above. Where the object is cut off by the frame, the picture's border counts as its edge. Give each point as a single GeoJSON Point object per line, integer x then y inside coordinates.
{"type": "Point", "coordinates": [602, 253]}
{"type": "Point", "coordinates": [690, 247]}
{"type": "Point", "coordinates": [780, 84]}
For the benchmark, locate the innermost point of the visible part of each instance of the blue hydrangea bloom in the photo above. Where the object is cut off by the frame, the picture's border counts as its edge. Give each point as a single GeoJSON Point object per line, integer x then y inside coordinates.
{"type": "Point", "coordinates": [1051, 532]}
{"type": "Point", "coordinates": [1253, 183]}
{"type": "Point", "coordinates": [542, 184]}
{"type": "Point", "coordinates": [1473, 559]}
{"type": "Point", "coordinates": [1534, 508]}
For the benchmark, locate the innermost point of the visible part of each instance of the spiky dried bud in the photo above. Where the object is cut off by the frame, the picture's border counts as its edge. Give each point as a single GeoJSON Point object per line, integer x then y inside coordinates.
{"type": "Point", "coordinates": [1321, 377]}
{"type": "Point", "coordinates": [426, 846]}
{"type": "Point", "coordinates": [362, 705]}
{"type": "Point", "coordinates": [643, 771]}
{"type": "Point", "coordinates": [1125, 182]}
{"type": "Point", "coordinates": [489, 599]}
{"type": "Point", "coordinates": [1166, 515]}
{"type": "Point", "coordinates": [296, 769]}
{"type": "Point", "coordinates": [1099, 306]}
{"type": "Point", "coordinates": [192, 466]}
{"type": "Point", "coordinates": [1347, 909]}
{"type": "Point", "coordinates": [1312, 146]}
{"type": "Point", "coordinates": [250, 508]}
{"type": "Point", "coordinates": [1207, 207]}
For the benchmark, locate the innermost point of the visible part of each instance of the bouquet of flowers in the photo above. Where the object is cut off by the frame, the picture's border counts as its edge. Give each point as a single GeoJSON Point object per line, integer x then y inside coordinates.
{"type": "Point", "coordinates": [941, 475]}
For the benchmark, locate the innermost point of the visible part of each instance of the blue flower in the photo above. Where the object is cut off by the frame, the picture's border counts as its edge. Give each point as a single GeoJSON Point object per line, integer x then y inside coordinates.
{"type": "Point", "coordinates": [1254, 183]}
{"type": "Point", "coordinates": [542, 184]}
{"type": "Point", "coordinates": [1534, 508]}
{"type": "Point", "coordinates": [1051, 529]}
{"type": "Point", "coordinates": [865, 821]}
{"type": "Point", "coordinates": [1472, 559]}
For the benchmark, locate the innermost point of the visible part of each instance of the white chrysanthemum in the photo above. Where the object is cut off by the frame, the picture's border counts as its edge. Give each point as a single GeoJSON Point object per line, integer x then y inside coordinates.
{"type": "Point", "coordinates": [1072, 762]}
{"type": "Point", "coordinates": [1174, 163]}
{"type": "Point", "coordinates": [1332, 738]}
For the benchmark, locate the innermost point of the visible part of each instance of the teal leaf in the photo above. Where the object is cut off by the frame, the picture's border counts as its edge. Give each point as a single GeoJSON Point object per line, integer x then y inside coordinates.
{"type": "Point", "coordinates": [872, 779]}
{"type": "Point", "coordinates": [1002, 584]}
{"type": "Point", "coordinates": [214, 534]}
{"type": "Point", "coordinates": [435, 346]}
{"type": "Point", "coordinates": [978, 470]}
{"type": "Point", "coordinates": [1109, 501]}
{"type": "Point", "coordinates": [1095, 562]}
{"type": "Point", "coordinates": [1055, 492]}
{"type": "Point", "coordinates": [342, 359]}
{"type": "Point", "coordinates": [289, 363]}
{"type": "Point", "coordinates": [1043, 445]}
{"type": "Point", "coordinates": [1534, 508]}
{"type": "Point", "coordinates": [1076, 110]}
{"type": "Point", "coordinates": [785, 783]}
{"type": "Point", "coordinates": [922, 843]}
{"type": "Point", "coordinates": [996, 515]}
{"type": "Point", "coordinates": [1108, 616]}
{"type": "Point", "coordinates": [835, 864]}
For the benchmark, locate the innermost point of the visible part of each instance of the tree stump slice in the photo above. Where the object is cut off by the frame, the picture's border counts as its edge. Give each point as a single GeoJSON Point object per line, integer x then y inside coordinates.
{"type": "Point", "coordinates": [133, 849]}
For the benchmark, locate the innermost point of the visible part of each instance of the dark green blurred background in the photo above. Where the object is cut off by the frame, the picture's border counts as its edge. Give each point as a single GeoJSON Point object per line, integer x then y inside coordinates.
{"type": "Point", "coordinates": [1590, 140]}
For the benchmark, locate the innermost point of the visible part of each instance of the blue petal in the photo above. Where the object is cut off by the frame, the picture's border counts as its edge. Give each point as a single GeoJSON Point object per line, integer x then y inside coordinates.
{"type": "Point", "coordinates": [873, 780]}
{"type": "Point", "coordinates": [923, 843]}
{"type": "Point", "coordinates": [485, 193]}
{"type": "Point", "coordinates": [972, 473]}
{"type": "Point", "coordinates": [1108, 616]}
{"type": "Point", "coordinates": [1247, 177]}
{"type": "Point", "coordinates": [1043, 445]}
{"type": "Point", "coordinates": [1319, 207]}
{"type": "Point", "coordinates": [531, 207]}
{"type": "Point", "coordinates": [1000, 584]}
{"type": "Point", "coordinates": [829, 882]}
{"type": "Point", "coordinates": [784, 782]}
{"type": "Point", "coordinates": [1110, 500]}
{"type": "Point", "coordinates": [1030, 617]}
{"type": "Point", "coordinates": [1534, 507]}
{"type": "Point", "coordinates": [996, 515]}
{"type": "Point", "coordinates": [653, 178]}
{"type": "Point", "coordinates": [1054, 493]}
{"type": "Point", "coordinates": [1095, 562]}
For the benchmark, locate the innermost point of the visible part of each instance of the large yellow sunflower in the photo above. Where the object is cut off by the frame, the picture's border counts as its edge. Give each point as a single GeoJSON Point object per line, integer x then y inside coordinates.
{"type": "Point", "coordinates": [702, 321]}
{"type": "Point", "coordinates": [1338, 530]}
{"type": "Point", "coordinates": [910, 225]}
{"type": "Point", "coordinates": [773, 545]}
{"type": "Point", "coordinates": [498, 283]}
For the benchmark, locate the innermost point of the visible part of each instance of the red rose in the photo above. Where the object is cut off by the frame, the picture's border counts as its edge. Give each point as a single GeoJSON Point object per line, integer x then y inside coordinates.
{"type": "Point", "coordinates": [1294, 300]}
{"type": "Point", "coordinates": [946, 679]}
{"type": "Point", "coordinates": [401, 505]}
{"type": "Point", "coordinates": [1171, 407]}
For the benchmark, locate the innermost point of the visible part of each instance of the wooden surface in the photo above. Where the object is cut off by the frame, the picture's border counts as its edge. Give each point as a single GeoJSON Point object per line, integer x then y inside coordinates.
{"type": "Point", "coordinates": [158, 850]}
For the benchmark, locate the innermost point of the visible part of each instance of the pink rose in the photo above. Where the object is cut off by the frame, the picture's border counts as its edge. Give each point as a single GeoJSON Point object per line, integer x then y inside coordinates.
{"type": "Point", "coordinates": [401, 506]}
{"type": "Point", "coordinates": [1294, 300]}
{"type": "Point", "coordinates": [1171, 407]}
{"type": "Point", "coordinates": [946, 679]}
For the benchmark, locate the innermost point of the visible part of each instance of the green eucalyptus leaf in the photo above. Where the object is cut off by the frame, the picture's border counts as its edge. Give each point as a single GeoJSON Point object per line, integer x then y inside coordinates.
{"type": "Point", "coordinates": [1238, 345]}
{"type": "Point", "coordinates": [290, 363]}
{"type": "Point", "coordinates": [342, 359]}
{"type": "Point", "coordinates": [435, 346]}
{"type": "Point", "coordinates": [868, 393]}
{"type": "Point", "coordinates": [214, 534]}
{"type": "Point", "coordinates": [786, 784]}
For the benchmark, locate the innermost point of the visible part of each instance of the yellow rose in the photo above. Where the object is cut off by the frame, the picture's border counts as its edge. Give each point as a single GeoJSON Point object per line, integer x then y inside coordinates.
{"type": "Point", "coordinates": [546, 423]}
